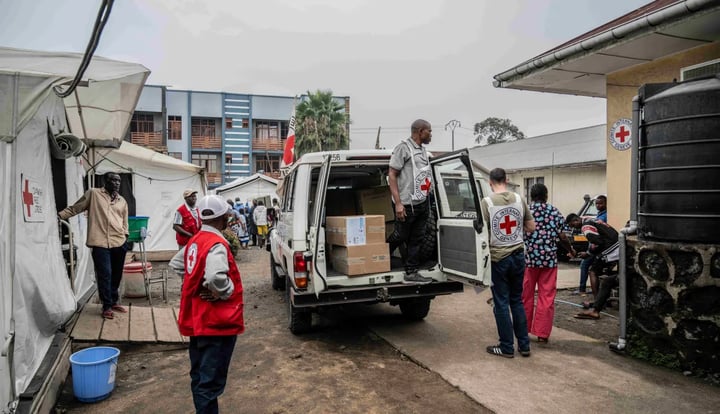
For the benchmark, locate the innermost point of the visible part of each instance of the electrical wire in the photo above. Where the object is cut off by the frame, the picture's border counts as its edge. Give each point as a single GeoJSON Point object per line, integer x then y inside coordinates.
{"type": "Point", "coordinates": [100, 21]}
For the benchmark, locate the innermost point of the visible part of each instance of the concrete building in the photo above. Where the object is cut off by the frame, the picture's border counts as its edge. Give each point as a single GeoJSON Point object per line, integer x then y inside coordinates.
{"type": "Point", "coordinates": [570, 163]}
{"type": "Point", "coordinates": [231, 135]}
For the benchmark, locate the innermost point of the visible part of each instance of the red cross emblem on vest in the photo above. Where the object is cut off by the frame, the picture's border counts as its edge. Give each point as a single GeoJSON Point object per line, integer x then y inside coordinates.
{"type": "Point", "coordinates": [508, 224]}
{"type": "Point", "coordinates": [425, 186]}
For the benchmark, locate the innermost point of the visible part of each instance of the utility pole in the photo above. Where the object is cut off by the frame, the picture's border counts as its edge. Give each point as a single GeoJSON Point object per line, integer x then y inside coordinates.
{"type": "Point", "coordinates": [452, 125]}
{"type": "Point", "coordinates": [377, 141]}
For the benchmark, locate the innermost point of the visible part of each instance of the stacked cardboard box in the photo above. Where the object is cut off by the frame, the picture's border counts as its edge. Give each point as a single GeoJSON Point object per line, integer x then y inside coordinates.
{"type": "Point", "coordinates": [357, 244]}
{"type": "Point", "coordinates": [377, 201]}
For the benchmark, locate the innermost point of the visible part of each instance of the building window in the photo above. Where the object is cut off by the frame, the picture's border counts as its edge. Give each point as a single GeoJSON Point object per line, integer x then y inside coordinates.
{"type": "Point", "coordinates": [174, 127]}
{"type": "Point", "coordinates": [267, 129]}
{"type": "Point", "coordinates": [529, 182]}
{"type": "Point", "coordinates": [177, 155]}
{"type": "Point", "coordinates": [228, 123]}
{"type": "Point", "coordinates": [210, 162]}
{"type": "Point", "coordinates": [246, 123]}
{"type": "Point", "coordinates": [142, 123]}
{"type": "Point", "coordinates": [228, 159]}
{"type": "Point", "coordinates": [284, 129]}
{"type": "Point", "coordinates": [203, 127]}
{"type": "Point", "coordinates": [267, 163]}
{"type": "Point", "coordinates": [245, 159]}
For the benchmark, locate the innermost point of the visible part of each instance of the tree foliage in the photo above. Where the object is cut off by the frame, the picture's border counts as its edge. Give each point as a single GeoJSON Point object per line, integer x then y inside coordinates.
{"type": "Point", "coordinates": [321, 124]}
{"type": "Point", "coordinates": [496, 130]}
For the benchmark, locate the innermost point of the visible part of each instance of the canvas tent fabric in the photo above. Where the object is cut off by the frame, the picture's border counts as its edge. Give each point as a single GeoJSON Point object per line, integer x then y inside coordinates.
{"type": "Point", "coordinates": [37, 295]}
{"type": "Point", "coordinates": [249, 188]}
{"type": "Point", "coordinates": [107, 102]}
{"type": "Point", "coordinates": [158, 183]}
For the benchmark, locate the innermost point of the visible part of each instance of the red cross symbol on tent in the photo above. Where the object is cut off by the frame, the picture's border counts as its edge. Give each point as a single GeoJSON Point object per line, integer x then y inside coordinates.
{"type": "Point", "coordinates": [508, 224]}
{"type": "Point", "coordinates": [622, 134]}
{"type": "Point", "coordinates": [27, 197]}
{"type": "Point", "coordinates": [425, 186]}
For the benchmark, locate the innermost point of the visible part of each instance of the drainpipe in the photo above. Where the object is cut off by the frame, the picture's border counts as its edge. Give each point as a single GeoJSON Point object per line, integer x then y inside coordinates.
{"type": "Point", "coordinates": [629, 229]}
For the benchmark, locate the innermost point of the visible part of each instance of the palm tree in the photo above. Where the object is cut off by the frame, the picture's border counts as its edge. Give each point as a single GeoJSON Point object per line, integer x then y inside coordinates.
{"type": "Point", "coordinates": [321, 124]}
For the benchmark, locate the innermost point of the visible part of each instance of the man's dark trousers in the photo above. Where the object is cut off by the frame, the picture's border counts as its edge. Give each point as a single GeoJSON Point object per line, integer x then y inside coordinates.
{"type": "Point", "coordinates": [209, 362]}
{"type": "Point", "coordinates": [109, 263]}
{"type": "Point", "coordinates": [507, 279]}
{"type": "Point", "coordinates": [411, 231]}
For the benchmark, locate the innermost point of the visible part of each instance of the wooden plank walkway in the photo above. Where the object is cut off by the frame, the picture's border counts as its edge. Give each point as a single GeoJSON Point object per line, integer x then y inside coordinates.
{"type": "Point", "coordinates": [142, 324]}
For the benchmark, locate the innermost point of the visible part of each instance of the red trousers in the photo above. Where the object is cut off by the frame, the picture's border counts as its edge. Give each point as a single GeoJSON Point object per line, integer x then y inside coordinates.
{"type": "Point", "coordinates": [540, 317]}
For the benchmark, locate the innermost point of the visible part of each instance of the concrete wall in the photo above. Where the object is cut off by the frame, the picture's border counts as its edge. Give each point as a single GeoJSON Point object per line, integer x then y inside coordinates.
{"type": "Point", "coordinates": [272, 107]}
{"type": "Point", "coordinates": [207, 104]}
{"type": "Point", "coordinates": [566, 185]}
{"type": "Point", "coordinates": [150, 99]}
{"type": "Point", "coordinates": [622, 86]}
{"type": "Point", "coordinates": [177, 105]}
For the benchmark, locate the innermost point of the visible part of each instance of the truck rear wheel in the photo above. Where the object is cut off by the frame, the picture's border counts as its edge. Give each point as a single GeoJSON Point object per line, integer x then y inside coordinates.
{"type": "Point", "coordinates": [415, 309]}
{"type": "Point", "coordinates": [299, 321]}
{"type": "Point", "coordinates": [276, 280]}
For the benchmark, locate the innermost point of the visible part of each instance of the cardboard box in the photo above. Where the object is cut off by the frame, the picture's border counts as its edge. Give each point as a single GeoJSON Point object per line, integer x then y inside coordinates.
{"type": "Point", "coordinates": [361, 260]}
{"type": "Point", "coordinates": [340, 203]}
{"type": "Point", "coordinates": [354, 230]}
{"type": "Point", "coordinates": [374, 201]}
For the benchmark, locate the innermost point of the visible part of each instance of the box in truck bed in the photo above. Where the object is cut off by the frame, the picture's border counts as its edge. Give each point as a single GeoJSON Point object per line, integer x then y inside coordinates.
{"type": "Point", "coordinates": [376, 201]}
{"type": "Point", "coordinates": [354, 230]}
{"type": "Point", "coordinates": [361, 260]}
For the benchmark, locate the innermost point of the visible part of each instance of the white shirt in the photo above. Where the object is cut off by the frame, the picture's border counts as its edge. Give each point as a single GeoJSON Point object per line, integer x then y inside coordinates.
{"type": "Point", "coordinates": [216, 267]}
{"type": "Point", "coordinates": [260, 216]}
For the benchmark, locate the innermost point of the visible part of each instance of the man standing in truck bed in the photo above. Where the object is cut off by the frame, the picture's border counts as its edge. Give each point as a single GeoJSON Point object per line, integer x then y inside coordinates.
{"type": "Point", "coordinates": [410, 181]}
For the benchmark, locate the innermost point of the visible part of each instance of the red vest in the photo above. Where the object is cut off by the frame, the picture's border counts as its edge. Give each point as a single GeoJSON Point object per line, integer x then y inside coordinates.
{"type": "Point", "coordinates": [189, 224]}
{"type": "Point", "coordinates": [199, 317]}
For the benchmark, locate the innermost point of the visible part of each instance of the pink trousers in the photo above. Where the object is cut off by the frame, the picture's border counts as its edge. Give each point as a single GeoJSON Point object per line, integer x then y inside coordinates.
{"type": "Point", "coordinates": [540, 317]}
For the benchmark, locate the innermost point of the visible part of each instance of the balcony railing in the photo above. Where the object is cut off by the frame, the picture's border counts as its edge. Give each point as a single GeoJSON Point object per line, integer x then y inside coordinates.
{"type": "Point", "coordinates": [147, 139]}
{"type": "Point", "coordinates": [274, 174]}
{"type": "Point", "coordinates": [205, 142]}
{"type": "Point", "coordinates": [267, 144]}
{"type": "Point", "coordinates": [214, 178]}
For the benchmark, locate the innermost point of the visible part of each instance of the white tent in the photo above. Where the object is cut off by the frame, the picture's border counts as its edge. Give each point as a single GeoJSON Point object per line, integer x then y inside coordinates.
{"type": "Point", "coordinates": [249, 188]}
{"type": "Point", "coordinates": [158, 184]}
{"type": "Point", "coordinates": [37, 296]}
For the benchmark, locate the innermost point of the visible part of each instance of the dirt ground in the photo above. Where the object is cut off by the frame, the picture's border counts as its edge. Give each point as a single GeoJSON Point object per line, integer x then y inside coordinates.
{"type": "Point", "coordinates": [340, 367]}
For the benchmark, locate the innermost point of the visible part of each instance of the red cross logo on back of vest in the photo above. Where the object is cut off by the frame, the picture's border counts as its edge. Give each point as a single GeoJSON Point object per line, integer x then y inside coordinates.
{"type": "Point", "coordinates": [27, 197]}
{"type": "Point", "coordinates": [508, 224]}
{"type": "Point", "coordinates": [425, 186]}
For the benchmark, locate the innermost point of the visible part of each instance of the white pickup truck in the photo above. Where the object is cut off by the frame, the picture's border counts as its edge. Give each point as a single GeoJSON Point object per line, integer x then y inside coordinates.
{"type": "Point", "coordinates": [316, 186]}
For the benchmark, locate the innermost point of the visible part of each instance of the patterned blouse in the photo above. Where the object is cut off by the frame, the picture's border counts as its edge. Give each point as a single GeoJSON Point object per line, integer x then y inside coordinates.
{"type": "Point", "coordinates": [541, 245]}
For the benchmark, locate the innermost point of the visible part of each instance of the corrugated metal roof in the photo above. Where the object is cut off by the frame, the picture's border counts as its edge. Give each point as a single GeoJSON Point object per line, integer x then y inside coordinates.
{"type": "Point", "coordinates": [574, 147]}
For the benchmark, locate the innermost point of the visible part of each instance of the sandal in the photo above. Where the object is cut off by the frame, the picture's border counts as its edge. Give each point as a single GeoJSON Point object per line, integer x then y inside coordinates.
{"type": "Point", "coordinates": [588, 305]}
{"type": "Point", "coordinates": [542, 340]}
{"type": "Point", "coordinates": [108, 314]}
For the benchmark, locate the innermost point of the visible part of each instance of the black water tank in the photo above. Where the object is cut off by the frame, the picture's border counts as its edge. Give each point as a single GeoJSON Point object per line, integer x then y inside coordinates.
{"type": "Point", "coordinates": [679, 161]}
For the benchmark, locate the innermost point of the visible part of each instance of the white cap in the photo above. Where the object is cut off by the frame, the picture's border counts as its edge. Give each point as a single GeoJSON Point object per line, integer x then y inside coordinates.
{"type": "Point", "coordinates": [214, 203]}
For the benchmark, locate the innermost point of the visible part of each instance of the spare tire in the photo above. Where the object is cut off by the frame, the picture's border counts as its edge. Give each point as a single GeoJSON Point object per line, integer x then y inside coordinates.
{"type": "Point", "coordinates": [428, 247]}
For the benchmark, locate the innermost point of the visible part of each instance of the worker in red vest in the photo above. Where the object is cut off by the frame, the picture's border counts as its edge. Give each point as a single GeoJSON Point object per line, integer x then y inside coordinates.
{"type": "Point", "coordinates": [187, 219]}
{"type": "Point", "coordinates": [211, 303]}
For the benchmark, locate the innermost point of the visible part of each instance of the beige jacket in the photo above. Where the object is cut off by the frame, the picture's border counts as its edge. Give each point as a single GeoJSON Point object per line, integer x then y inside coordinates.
{"type": "Point", "coordinates": [107, 219]}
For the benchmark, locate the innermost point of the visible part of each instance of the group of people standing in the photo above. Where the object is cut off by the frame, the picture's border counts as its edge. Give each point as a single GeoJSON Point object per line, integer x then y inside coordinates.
{"type": "Point", "coordinates": [523, 250]}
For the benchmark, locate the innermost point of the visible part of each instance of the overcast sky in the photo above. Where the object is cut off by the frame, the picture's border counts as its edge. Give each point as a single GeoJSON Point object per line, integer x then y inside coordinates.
{"type": "Point", "coordinates": [398, 60]}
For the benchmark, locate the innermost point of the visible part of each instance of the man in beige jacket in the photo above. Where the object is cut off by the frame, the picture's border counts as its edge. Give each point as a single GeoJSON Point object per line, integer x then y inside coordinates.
{"type": "Point", "coordinates": [107, 235]}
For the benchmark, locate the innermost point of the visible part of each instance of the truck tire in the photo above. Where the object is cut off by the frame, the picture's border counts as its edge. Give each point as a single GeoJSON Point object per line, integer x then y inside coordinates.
{"type": "Point", "coordinates": [428, 247]}
{"type": "Point", "coordinates": [415, 309]}
{"type": "Point", "coordinates": [299, 321]}
{"type": "Point", "coordinates": [276, 280]}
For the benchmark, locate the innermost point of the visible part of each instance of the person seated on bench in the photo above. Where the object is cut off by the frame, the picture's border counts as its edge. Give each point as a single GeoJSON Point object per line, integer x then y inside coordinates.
{"type": "Point", "coordinates": [604, 245]}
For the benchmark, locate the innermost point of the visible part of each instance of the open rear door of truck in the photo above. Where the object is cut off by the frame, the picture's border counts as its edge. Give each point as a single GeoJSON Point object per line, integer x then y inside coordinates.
{"type": "Point", "coordinates": [462, 236]}
{"type": "Point", "coordinates": [316, 236]}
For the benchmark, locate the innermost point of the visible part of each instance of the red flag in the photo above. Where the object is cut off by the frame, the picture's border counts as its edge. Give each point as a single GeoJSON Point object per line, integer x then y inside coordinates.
{"type": "Point", "coordinates": [289, 152]}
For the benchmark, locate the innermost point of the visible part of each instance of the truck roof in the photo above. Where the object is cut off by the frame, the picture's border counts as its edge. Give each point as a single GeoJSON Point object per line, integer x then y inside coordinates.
{"type": "Point", "coordinates": [344, 155]}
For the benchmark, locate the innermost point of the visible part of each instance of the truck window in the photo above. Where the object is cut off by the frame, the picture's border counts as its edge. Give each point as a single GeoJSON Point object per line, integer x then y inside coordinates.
{"type": "Point", "coordinates": [289, 189]}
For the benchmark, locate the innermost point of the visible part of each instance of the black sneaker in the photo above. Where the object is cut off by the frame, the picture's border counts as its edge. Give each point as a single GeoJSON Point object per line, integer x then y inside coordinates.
{"type": "Point", "coordinates": [495, 350]}
{"type": "Point", "coordinates": [525, 353]}
{"type": "Point", "coordinates": [416, 278]}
